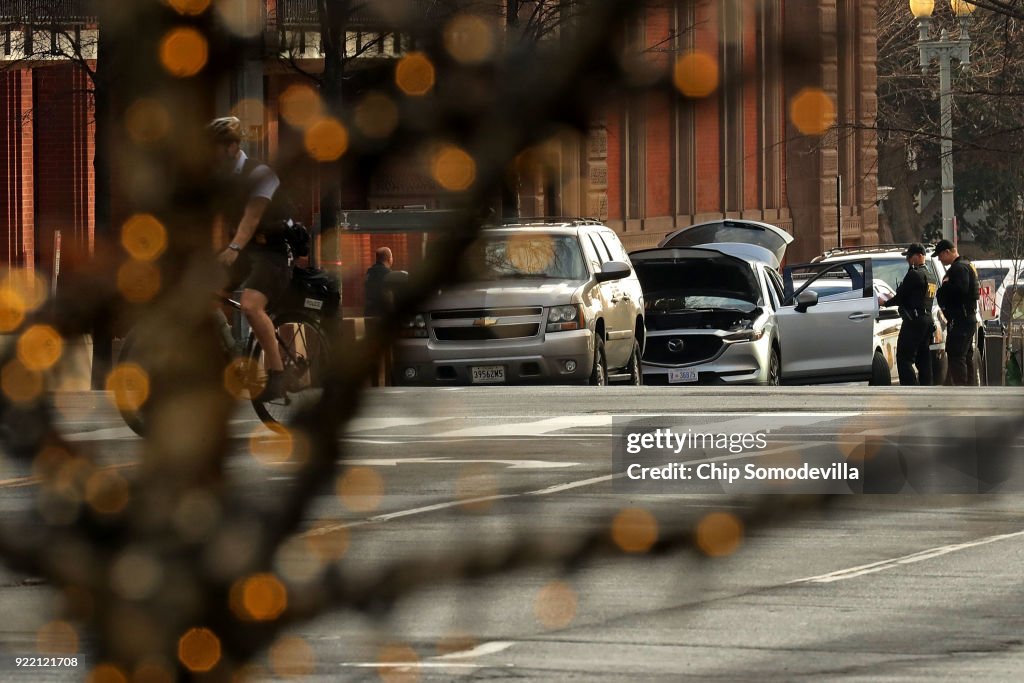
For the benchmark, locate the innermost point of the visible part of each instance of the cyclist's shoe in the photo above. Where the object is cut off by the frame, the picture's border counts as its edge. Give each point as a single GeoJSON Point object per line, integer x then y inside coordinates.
{"type": "Point", "coordinates": [275, 388]}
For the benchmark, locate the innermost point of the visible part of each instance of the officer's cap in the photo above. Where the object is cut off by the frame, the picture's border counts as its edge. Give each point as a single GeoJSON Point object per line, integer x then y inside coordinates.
{"type": "Point", "coordinates": [915, 248]}
{"type": "Point", "coordinates": [942, 246]}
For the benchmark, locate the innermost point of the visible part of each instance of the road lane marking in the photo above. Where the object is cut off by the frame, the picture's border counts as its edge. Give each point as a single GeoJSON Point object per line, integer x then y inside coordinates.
{"type": "Point", "coordinates": [330, 528]}
{"type": "Point", "coordinates": [881, 565]}
{"type": "Point", "coordinates": [537, 427]}
{"type": "Point", "coordinates": [557, 488]}
{"type": "Point", "coordinates": [573, 485]}
{"type": "Point", "coordinates": [33, 479]}
{"type": "Point", "coordinates": [511, 464]}
{"type": "Point", "coordinates": [528, 425]}
{"type": "Point", "coordinates": [478, 651]}
{"type": "Point", "coordinates": [436, 506]}
{"type": "Point", "coordinates": [406, 666]}
{"type": "Point", "coordinates": [448, 661]}
{"type": "Point", "coordinates": [366, 424]}
{"type": "Point", "coordinates": [534, 427]}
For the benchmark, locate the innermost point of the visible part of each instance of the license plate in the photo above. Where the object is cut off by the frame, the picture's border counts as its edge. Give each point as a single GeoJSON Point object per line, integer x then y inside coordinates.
{"type": "Point", "coordinates": [678, 376]}
{"type": "Point", "coordinates": [488, 374]}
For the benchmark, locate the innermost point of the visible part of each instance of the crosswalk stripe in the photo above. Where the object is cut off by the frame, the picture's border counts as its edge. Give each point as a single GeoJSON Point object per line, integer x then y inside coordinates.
{"type": "Point", "coordinates": [531, 428]}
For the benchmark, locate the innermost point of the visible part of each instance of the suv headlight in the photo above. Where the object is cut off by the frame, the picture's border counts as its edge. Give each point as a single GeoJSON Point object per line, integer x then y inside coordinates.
{"type": "Point", "coordinates": [747, 335]}
{"type": "Point", "coordinates": [416, 326]}
{"type": "Point", "coordinates": [561, 318]}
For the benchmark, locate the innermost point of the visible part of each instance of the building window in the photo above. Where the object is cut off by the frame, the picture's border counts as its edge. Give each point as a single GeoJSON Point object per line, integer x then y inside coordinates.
{"type": "Point", "coordinates": [848, 59]}
{"type": "Point", "coordinates": [634, 156]}
{"type": "Point", "coordinates": [732, 104]}
{"type": "Point", "coordinates": [685, 167]}
{"type": "Point", "coordinates": [769, 37]}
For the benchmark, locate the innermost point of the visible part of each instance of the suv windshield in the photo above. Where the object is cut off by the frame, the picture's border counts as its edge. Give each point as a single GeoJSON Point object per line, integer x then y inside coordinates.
{"type": "Point", "coordinates": [522, 255]}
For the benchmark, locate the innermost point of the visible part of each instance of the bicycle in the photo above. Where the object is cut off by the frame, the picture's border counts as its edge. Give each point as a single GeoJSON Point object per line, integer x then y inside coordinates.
{"type": "Point", "coordinates": [304, 347]}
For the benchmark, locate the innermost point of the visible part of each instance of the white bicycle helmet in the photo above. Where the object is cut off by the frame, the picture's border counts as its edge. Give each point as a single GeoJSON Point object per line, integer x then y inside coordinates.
{"type": "Point", "coordinates": [225, 129]}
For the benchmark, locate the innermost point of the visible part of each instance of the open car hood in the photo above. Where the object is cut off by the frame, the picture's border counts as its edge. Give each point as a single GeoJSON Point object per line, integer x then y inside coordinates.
{"type": "Point", "coordinates": [729, 231]}
{"type": "Point", "coordinates": [699, 269]}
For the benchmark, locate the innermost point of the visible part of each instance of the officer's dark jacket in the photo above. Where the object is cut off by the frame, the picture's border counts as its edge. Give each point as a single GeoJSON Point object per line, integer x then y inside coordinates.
{"type": "Point", "coordinates": [958, 295]}
{"type": "Point", "coordinates": [912, 294]}
{"type": "Point", "coordinates": [238, 189]}
{"type": "Point", "coordinates": [376, 290]}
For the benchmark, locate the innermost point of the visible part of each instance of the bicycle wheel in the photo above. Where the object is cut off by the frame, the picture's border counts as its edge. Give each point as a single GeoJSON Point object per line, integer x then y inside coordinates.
{"type": "Point", "coordinates": [131, 379]}
{"type": "Point", "coordinates": [304, 352]}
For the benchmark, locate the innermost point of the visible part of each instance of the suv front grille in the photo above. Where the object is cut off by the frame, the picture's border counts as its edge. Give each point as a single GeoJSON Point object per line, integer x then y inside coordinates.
{"type": "Point", "coordinates": [695, 348]}
{"type": "Point", "coordinates": [486, 312]}
{"type": "Point", "coordinates": [513, 331]}
{"type": "Point", "coordinates": [485, 324]}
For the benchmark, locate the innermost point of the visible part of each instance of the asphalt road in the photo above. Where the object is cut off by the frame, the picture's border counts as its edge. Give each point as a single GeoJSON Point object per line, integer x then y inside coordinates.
{"type": "Point", "coordinates": [869, 587]}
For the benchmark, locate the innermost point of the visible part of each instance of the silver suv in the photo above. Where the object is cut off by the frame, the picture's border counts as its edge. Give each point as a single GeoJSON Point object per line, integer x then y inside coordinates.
{"type": "Point", "coordinates": [550, 301]}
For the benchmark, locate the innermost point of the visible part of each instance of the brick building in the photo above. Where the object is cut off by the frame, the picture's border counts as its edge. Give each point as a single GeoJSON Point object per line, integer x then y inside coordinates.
{"type": "Point", "coordinates": [647, 167]}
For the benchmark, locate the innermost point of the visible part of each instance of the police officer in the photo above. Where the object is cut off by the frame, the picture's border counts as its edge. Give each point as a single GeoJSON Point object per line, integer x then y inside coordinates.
{"type": "Point", "coordinates": [958, 299]}
{"type": "Point", "coordinates": [915, 302]}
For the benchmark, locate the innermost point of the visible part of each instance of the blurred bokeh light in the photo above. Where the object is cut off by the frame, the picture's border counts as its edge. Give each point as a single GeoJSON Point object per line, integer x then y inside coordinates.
{"type": "Point", "coordinates": [183, 52]}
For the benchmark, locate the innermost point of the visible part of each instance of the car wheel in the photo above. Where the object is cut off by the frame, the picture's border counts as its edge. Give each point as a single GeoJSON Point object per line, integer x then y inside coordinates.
{"type": "Point", "coordinates": [599, 375]}
{"type": "Point", "coordinates": [881, 373]}
{"type": "Point", "coordinates": [635, 367]}
{"type": "Point", "coordinates": [940, 365]}
{"type": "Point", "coordinates": [774, 368]}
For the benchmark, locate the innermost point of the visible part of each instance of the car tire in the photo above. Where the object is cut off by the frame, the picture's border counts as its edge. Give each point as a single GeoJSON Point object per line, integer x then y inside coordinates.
{"type": "Point", "coordinates": [774, 368]}
{"type": "Point", "coordinates": [940, 366]}
{"type": "Point", "coordinates": [599, 375]}
{"type": "Point", "coordinates": [881, 373]}
{"type": "Point", "coordinates": [635, 367]}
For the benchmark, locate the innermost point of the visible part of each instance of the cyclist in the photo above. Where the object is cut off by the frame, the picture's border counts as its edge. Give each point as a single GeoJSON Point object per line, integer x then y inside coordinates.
{"type": "Point", "coordinates": [257, 256]}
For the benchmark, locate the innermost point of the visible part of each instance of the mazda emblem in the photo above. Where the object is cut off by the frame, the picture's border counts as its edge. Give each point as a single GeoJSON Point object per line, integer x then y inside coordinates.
{"type": "Point", "coordinates": [676, 345]}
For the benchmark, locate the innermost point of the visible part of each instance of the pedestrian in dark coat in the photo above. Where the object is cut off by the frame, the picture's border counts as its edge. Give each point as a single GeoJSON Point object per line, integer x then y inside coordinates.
{"type": "Point", "coordinates": [958, 299]}
{"type": "Point", "coordinates": [377, 291]}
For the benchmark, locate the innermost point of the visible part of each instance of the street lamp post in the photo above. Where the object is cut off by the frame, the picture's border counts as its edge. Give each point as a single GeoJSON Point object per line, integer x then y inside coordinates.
{"type": "Point", "coordinates": [944, 50]}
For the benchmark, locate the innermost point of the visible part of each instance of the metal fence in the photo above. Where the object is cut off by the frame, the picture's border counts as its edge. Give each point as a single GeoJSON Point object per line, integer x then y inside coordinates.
{"type": "Point", "coordinates": [302, 14]}
{"type": "Point", "coordinates": [48, 11]}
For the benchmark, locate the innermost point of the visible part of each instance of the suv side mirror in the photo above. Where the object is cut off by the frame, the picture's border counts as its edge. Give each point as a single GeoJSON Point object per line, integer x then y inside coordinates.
{"type": "Point", "coordinates": [805, 300]}
{"type": "Point", "coordinates": [612, 270]}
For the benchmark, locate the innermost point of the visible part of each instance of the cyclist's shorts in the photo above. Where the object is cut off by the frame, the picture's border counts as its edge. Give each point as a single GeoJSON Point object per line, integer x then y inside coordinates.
{"type": "Point", "coordinates": [264, 270]}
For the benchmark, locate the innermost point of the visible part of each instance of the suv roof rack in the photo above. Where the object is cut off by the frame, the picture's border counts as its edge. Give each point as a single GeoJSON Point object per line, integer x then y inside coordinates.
{"type": "Point", "coordinates": [549, 220]}
{"type": "Point", "coordinates": [869, 249]}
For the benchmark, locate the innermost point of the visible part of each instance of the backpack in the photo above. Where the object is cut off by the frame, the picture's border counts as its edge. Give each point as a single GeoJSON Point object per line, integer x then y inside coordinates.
{"type": "Point", "coordinates": [296, 235]}
{"type": "Point", "coordinates": [314, 289]}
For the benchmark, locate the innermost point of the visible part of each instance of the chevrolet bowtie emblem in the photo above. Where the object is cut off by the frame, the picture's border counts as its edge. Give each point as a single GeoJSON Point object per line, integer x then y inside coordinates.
{"type": "Point", "coordinates": [485, 322]}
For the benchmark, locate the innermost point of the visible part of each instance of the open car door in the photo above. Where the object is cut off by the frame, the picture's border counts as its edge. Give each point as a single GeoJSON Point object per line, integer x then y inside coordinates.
{"type": "Point", "coordinates": [828, 340]}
